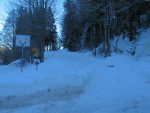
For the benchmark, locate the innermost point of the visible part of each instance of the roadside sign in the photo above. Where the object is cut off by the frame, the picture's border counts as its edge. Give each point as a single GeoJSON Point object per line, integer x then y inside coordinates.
{"type": "Point", "coordinates": [23, 39]}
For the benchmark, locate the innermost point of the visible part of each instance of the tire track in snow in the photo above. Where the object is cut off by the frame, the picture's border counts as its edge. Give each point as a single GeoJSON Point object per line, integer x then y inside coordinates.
{"type": "Point", "coordinates": [39, 97]}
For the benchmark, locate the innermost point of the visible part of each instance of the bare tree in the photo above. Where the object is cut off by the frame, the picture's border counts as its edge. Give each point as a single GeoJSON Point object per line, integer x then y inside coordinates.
{"type": "Point", "coordinates": [9, 29]}
{"type": "Point", "coordinates": [35, 14]}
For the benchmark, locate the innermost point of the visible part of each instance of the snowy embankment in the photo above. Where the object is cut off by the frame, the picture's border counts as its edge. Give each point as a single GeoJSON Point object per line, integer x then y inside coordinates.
{"type": "Point", "coordinates": [78, 83]}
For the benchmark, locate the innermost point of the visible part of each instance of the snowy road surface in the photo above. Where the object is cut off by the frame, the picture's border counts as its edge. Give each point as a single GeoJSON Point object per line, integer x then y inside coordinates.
{"type": "Point", "coordinates": [77, 83]}
{"type": "Point", "coordinates": [40, 97]}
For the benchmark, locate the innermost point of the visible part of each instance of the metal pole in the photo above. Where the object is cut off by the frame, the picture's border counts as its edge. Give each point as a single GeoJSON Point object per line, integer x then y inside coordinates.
{"type": "Point", "coordinates": [22, 47]}
{"type": "Point", "coordinates": [22, 58]}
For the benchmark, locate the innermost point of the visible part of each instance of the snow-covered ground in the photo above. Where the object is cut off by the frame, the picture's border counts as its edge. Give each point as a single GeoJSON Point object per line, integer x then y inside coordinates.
{"type": "Point", "coordinates": [78, 83]}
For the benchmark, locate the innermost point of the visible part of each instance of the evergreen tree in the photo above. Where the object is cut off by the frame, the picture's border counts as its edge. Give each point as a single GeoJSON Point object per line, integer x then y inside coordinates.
{"type": "Point", "coordinates": [51, 36]}
{"type": "Point", "coordinates": [103, 20]}
{"type": "Point", "coordinates": [71, 27]}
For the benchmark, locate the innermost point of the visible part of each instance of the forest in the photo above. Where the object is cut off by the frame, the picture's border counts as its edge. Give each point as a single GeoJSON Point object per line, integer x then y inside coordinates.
{"type": "Point", "coordinates": [86, 25]}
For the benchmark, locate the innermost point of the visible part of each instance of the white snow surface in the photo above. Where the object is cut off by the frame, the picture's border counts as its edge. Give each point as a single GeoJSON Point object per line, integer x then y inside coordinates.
{"type": "Point", "coordinates": [78, 83]}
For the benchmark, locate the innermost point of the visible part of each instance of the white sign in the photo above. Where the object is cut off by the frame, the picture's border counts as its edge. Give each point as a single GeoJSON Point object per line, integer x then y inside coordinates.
{"type": "Point", "coordinates": [23, 40]}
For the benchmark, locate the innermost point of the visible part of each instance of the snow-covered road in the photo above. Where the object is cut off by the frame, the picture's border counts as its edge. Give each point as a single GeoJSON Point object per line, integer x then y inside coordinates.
{"type": "Point", "coordinates": [77, 83]}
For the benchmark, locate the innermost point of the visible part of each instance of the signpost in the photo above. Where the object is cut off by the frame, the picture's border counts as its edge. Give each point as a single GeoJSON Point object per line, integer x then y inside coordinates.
{"type": "Point", "coordinates": [22, 52]}
{"type": "Point", "coordinates": [36, 58]}
{"type": "Point", "coordinates": [22, 41]}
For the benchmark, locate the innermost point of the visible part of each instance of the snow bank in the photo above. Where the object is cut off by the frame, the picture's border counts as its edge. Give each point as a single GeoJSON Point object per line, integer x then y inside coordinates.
{"type": "Point", "coordinates": [142, 44]}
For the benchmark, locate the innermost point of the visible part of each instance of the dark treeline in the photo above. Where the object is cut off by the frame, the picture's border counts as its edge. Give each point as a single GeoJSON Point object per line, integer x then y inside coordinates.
{"type": "Point", "coordinates": [34, 18]}
{"type": "Point", "coordinates": [91, 23]}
